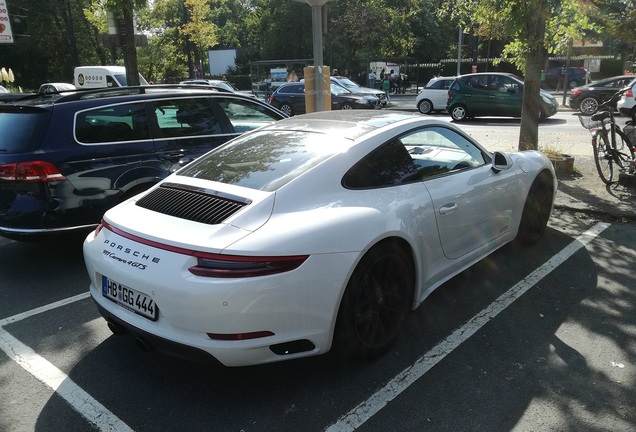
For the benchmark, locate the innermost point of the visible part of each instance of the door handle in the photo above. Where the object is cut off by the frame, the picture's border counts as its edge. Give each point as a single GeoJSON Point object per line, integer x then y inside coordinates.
{"type": "Point", "coordinates": [448, 208]}
{"type": "Point", "coordinates": [173, 157]}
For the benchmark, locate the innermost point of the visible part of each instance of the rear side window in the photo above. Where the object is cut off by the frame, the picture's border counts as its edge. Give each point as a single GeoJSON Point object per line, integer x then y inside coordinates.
{"type": "Point", "coordinates": [186, 118]}
{"type": "Point", "coordinates": [22, 129]}
{"type": "Point", "coordinates": [440, 85]}
{"type": "Point", "coordinates": [125, 122]}
{"type": "Point", "coordinates": [292, 89]}
{"type": "Point", "coordinates": [246, 116]}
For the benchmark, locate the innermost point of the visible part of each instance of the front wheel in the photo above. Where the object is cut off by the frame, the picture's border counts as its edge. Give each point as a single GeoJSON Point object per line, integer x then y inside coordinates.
{"type": "Point", "coordinates": [376, 301]}
{"type": "Point", "coordinates": [459, 113]}
{"type": "Point", "coordinates": [603, 158]}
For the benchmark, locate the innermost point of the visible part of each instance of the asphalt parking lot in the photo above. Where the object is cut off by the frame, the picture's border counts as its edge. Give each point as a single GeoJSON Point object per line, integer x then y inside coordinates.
{"type": "Point", "coordinates": [537, 339]}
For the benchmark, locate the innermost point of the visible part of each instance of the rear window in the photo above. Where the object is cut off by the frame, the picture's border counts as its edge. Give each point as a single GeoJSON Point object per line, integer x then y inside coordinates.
{"type": "Point", "coordinates": [22, 129]}
{"type": "Point", "coordinates": [265, 160]}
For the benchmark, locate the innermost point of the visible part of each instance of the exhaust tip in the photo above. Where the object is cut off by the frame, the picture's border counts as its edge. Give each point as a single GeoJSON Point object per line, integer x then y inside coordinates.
{"type": "Point", "coordinates": [142, 344]}
{"type": "Point", "coordinates": [117, 329]}
{"type": "Point", "coordinates": [292, 347]}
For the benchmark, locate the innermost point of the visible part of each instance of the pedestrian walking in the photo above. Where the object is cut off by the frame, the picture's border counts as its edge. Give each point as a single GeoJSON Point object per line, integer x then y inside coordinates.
{"type": "Point", "coordinates": [386, 86]}
{"type": "Point", "coordinates": [372, 79]}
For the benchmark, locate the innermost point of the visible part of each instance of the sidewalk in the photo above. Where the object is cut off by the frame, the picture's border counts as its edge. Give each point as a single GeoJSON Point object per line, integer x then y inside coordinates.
{"type": "Point", "coordinates": [582, 190]}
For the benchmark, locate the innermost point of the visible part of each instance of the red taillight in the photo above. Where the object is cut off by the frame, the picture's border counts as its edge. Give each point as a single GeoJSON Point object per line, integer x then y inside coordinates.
{"type": "Point", "coordinates": [575, 92]}
{"type": "Point", "coordinates": [224, 266]}
{"type": "Point", "coordinates": [271, 98]}
{"type": "Point", "coordinates": [629, 93]}
{"type": "Point", "coordinates": [32, 171]}
{"type": "Point", "coordinates": [99, 227]}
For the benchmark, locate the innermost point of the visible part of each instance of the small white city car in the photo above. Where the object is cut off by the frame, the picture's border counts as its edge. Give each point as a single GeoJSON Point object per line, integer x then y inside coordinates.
{"type": "Point", "coordinates": [318, 232]}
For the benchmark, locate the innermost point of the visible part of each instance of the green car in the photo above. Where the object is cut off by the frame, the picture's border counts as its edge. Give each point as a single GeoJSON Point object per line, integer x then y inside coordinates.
{"type": "Point", "coordinates": [492, 94]}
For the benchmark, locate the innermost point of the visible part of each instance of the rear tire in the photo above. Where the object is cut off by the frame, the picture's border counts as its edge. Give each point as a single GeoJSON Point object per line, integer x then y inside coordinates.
{"type": "Point", "coordinates": [536, 211]}
{"type": "Point", "coordinates": [588, 105]}
{"type": "Point", "coordinates": [377, 299]}
{"type": "Point", "coordinates": [425, 106]}
{"type": "Point", "coordinates": [346, 106]}
{"type": "Point", "coordinates": [287, 109]}
{"type": "Point", "coordinates": [603, 159]}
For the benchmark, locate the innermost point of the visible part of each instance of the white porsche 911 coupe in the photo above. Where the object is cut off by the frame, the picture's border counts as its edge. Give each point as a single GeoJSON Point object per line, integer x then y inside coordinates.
{"type": "Point", "coordinates": [319, 232]}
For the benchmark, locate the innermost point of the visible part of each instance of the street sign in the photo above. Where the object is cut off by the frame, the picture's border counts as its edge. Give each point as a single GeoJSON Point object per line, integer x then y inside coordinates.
{"type": "Point", "coordinates": [6, 35]}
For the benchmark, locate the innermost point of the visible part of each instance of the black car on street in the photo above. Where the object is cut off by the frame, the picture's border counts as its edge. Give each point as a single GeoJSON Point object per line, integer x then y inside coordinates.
{"type": "Point", "coordinates": [290, 99]}
{"type": "Point", "coordinates": [588, 97]}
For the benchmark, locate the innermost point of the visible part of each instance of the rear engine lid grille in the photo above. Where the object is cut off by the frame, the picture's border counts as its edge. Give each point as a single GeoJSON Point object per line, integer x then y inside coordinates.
{"type": "Point", "coordinates": [192, 203]}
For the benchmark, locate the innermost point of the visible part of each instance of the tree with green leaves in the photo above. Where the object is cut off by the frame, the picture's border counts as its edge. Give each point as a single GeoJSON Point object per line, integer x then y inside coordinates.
{"type": "Point", "coordinates": [199, 30]}
{"type": "Point", "coordinates": [124, 11]}
{"type": "Point", "coordinates": [533, 28]}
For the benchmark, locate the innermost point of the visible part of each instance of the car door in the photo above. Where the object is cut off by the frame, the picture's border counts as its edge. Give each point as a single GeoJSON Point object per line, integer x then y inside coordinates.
{"type": "Point", "coordinates": [473, 204]}
{"type": "Point", "coordinates": [478, 96]}
{"type": "Point", "coordinates": [186, 128]}
{"type": "Point", "coordinates": [508, 95]}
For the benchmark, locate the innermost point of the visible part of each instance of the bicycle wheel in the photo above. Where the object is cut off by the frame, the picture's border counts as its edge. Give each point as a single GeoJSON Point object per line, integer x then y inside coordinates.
{"type": "Point", "coordinates": [626, 160]}
{"type": "Point", "coordinates": [603, 157]}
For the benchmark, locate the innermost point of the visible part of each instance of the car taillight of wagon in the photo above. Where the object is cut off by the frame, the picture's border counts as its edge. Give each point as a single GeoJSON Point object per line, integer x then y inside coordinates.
{"type": "Point", "coordinates": [31, 171]}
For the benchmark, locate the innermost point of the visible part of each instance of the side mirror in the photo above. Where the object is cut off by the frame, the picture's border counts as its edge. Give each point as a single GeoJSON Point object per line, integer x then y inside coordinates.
{"type": "Point", "coordinates": [500, 162]}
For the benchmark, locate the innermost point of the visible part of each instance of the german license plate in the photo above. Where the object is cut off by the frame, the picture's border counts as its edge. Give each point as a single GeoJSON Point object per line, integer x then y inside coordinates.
{"type": "Point", "coordinates": [129, 298]}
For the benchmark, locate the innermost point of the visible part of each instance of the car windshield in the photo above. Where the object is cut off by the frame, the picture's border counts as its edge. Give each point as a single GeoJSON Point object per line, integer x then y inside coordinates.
{"type": "Point", "coordinates": [338, 90]}
{"type": "Point", "coordinates": [347, 82]}
{"type": "Point", "coordinates": [265, 160]}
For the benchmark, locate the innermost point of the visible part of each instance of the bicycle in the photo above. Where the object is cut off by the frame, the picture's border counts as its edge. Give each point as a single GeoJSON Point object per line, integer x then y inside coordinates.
{"type": "Point", "coordinates": [609, 142]}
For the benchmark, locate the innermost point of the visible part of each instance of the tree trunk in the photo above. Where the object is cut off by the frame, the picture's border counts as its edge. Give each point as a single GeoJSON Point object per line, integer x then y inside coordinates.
{"type": "Point", "coordinates": [130, 50]}
{"type": "Point", "coordinates": [67, 16]}
{"type": "Point", "coordinates": [530, 109]}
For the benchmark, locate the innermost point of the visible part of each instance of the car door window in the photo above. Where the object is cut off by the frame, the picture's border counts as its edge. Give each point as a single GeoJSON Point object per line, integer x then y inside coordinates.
{"type": "Point", "coordinates": [509, 85]}
{"type": "Point", "coordinates": [479, 82]}
{"type": "Point", "coordinates": [115, 123]}
{"type": "Point", "coordinates": [438, 150]}
{"type": "Point", "coordinates": [246, 115]}
{"type": "Point", "coordinates": [186, 118]}
{"type": "Point", "coordinates": [416, 156]}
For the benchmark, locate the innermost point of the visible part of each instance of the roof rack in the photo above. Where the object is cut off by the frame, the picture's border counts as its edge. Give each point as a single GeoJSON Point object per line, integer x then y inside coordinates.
{"type": "Point", "coordinates": [80, 94]}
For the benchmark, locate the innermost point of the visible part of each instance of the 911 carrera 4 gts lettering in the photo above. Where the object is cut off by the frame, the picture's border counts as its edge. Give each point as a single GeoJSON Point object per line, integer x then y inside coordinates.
{"type": "Point", "coordinates": [131, 263]}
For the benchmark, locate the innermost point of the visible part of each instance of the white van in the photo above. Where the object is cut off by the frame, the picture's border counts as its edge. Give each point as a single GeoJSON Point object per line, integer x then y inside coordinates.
{"type": "Point", "coordinates": [102, 76]}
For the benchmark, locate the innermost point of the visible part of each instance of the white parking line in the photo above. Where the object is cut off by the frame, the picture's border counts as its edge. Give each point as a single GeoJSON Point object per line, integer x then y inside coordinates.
{"type": "Point", "coordinates": [367, 409]}
{"type": "Point", "coordinates": [53, 377]}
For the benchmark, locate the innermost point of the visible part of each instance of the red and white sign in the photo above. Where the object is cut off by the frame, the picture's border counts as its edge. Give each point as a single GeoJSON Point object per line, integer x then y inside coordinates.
{"type": "Point", "coordinates": [6, 35]}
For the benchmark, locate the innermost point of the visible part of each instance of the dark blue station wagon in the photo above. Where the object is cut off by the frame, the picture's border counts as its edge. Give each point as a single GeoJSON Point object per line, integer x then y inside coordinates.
{"type": "Point", "coordinates": [65, 159]}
